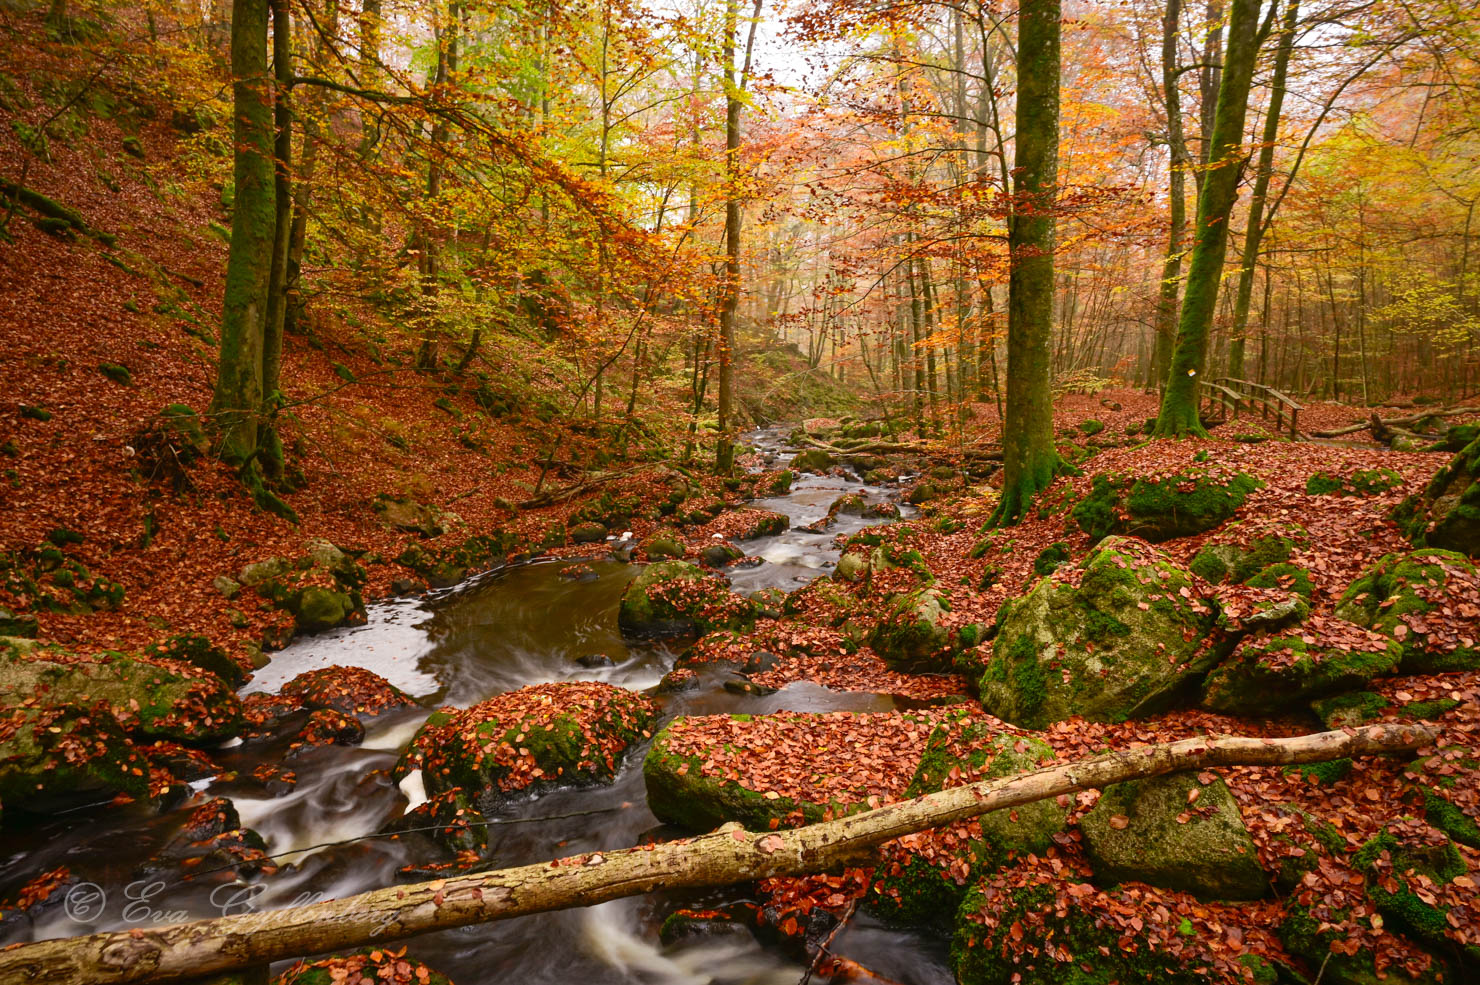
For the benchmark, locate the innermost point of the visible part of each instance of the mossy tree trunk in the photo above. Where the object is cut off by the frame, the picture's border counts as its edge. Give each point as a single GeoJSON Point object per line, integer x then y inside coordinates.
{"type": "Point", "coordinates": [1257, 222]}
{"type": "Point", "coordinates": [268, 442]}
{"type": "Point", "coordinates": [1215, 200]}
{"type": "Point", "coordinates": [1029, 460]}
{"type": "Point", "coordinates": [237, 401]}
{"type": "Point", "coordinates": [1181, 160]}
{"type": "Point", "coordinates": [724, 452]}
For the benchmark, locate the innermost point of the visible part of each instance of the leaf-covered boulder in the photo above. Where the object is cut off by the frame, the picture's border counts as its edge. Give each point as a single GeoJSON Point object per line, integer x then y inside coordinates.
{"type": "Point", "coordinates": [1062, 930]}
{"type": "Point", "coordinates": [785, 769]}
{"type": "Point", "coordinates": [56, 757]}
{"type": "Point", "coordinates": [1269, 675]}
{"type": "Point", "coordinates": [920, 878]}
{"type": "Point", "coordinates": [1354, 482]}
{"type": "Point", "coordinates": [761, 523]}
{"type": "Point", "coordinates": [1244, 549]}
{"type": "Point", "coordinates": [347, 690]}
{"type": "Point", "coordinates": [1182, 831]}
{"type": "Point", "coordinates": [812, 460]}
{"type": "Point", "coordinates": [1110, 639]}
{"type": "Point", "coordinates": [675, 598]}
{"type": "Point", "coordinates": [1162, 508]}
{"type": "Point", "coordinates": [915, 633]}
{"type": "Point", "coordinates": [1413, 599]}
{"type": "Point", "coordinates": [536, 738]}
{"type": "Point", "coordinates": [449, 820]}
{"type": "Point", "coordinates": [321, 588]}
{"type": "Point", "coordinates": [1411, 879]}
{"type": "Point", "coordinates": [158, 699]}
{"type": "Point", "coordinates": [1447, 513]}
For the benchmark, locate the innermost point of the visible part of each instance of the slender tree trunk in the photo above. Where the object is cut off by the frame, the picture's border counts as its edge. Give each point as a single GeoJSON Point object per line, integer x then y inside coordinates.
{"type": "Point", "coordinates": [237, 400]}
{"type": "Point", "coordinates": [1254, 233]}
{"type": "Point", "coordinates": [1029, 458]}
{"type": "Point", "coordinates": [277, 300]}
{"type": "Point", "coordinates": [1171, 268]}
{"type": "Point", "coordinates": [370, 36]}
{"type": "Point", "coordinates": [1210, 245]}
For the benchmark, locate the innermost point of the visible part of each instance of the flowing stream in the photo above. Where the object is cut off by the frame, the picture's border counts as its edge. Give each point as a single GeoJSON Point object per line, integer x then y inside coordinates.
{"type": "Point", "coordinates": [521, 625]}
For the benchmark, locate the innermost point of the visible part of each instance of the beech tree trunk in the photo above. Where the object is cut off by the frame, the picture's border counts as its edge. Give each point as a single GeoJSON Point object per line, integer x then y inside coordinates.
{"type": "Point", "coordinates": [1029, 459]}
{"type": "Point", "coordinates": [1254, 232]}
{"type": "Point", "coordinates": [1181, 162]}
{"type": "Point", "coordinates": [1215, 200]}
{"type": "Point", "coordinates": [237, 401]}
{"type": "Point", "coordinates": [728, 855]}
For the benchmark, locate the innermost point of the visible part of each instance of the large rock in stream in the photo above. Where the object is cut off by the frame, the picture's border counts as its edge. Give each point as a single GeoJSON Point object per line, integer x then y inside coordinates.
{"type": "Point", "coordinates": [1109, 640]}
{"type": "Point", "coordinates": [536, 738]}
{"type": "Point", "coordinates": [675, 598]}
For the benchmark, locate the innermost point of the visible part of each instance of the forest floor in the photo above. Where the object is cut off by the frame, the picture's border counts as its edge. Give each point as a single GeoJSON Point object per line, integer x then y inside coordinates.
{"type": "Point", "coordinates": [85, 474]}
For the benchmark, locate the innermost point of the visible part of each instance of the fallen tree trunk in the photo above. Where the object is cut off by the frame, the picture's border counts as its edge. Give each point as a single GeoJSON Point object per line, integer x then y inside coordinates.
{"type": "Point", "coordinates": [901, 448]}
{"type": "Point", "coordinates": [728, 855]}
{"type": "Point", "coordinates": [1393, 421]}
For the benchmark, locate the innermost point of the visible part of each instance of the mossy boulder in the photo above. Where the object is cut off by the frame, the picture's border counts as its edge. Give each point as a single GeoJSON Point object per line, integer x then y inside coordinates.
{"type": "Point", "coordinates": [1402, 874]}
{"type": "Point", "coordinates": [450, 820]}
{"type": "Point", "coordinates": [914, 634]}
{"type": "Point", "coordinates": [1177, 832]}
{"type": "Point", "coordinates": [1446, 514]}
{"type": "Point", "coordinates": [536, 738]}
{"type": "Point", "coordinates": [161, 699]}
{"type": "Point", "coordinates": [1357, 482]}
{"type": "Point", "coordinates": [1244, 549]}
{"type": "Point", "coordinates": [851, 568]}
{"type": "Point", "coordinates": [1394, 596]}
{"type": "Point", "coordinates": [406, 514]}
{"type": "Point", "coordinates": [347, 690]}
{"type": "Point", "coordinates": [1270, 675]}
{"type": "Point", "coordinates": [320, 588]}
{"type": "Point", "coordinates": [812, 460]}
{"type": "Point", "coordinates": [55, 757]}
{"type": "Point", "coordinates": [663, 543]}
{"type": "Point", "coordinates": [912, 889]}
{"type": "Point", "coordinates": [675, 598]}
{"type": "Point", "coordinates": [1049, 559]}
{"type": "Point", "coordinates": [1110, 640]}
{"type": "Point", "coordinates": [850, 505]}
{"type": "Point", "coordinates": [587, 533]}
{"type": "Point", "coordinates": [199, 652]}
{"type": "Point", "coordinates": [1157, 509]}
{"type": "Point", "coordinates": [762, 523]}
{"type": "Point", "coordinates": [1042, 935]}
{"type": "Point", "coordinates": [1316, 939]}
{"type": "Point", "coordinates": [703, 771]}
{"type": "Point", "coordinates": [1350, 709]}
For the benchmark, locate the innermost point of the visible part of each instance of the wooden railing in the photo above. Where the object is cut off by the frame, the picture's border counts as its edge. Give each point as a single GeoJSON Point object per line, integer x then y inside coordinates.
{"type": "Point", "coordinates": [1235, 396]}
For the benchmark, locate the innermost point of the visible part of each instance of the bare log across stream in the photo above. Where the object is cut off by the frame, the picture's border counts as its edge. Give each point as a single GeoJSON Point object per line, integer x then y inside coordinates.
{"type": "Point", "coordinates": [900, 448]}
{"type": "Point", "coordinates": [729, 855]}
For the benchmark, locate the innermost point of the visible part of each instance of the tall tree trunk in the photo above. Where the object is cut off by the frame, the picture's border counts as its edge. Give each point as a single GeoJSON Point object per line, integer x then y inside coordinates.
{"type": "Point", "coordinates": [1029, 458]}
{"type": "Point", "coordinates": [1210, 244]}
{"type": "Point", "coordinates": [237, 400]}
{"type": "Point", "coordinates": [1171, 267]}
{"type": "Point", "coordinates": [724, 454]}
{"type": "Point", "coordinates": [370, 37]}
{"type": "Point", "coordinates": [268, 440]}
{"type": "Point", "coordinates": [1254, 233]}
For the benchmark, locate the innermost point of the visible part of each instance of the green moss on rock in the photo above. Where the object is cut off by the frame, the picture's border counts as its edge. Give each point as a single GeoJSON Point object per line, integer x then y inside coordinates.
{"type": "Point", "coordinates": [1177, 505]}
{"type": "Point", "coordinates": [1271, 675]}
{"type": "Point", "coordinates": [674, 598]}
{"type": "Point", "coordinates": [1117, 644]}
{"type": "Point", "coordinates": [1360, 482]}
{"type": "Point", "coordinates": [1149, 831]}
{"type": "Point", "coordinates": [1446, 514]}
{"type": "Point", "coordinates": [1394, 595]}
